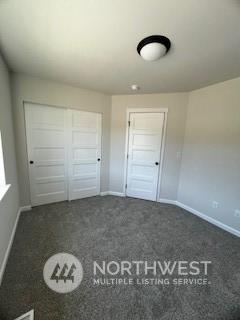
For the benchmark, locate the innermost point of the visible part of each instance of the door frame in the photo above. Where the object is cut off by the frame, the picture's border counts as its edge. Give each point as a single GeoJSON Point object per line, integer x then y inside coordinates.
{"type": "Point", "coordinates": [146, 110]}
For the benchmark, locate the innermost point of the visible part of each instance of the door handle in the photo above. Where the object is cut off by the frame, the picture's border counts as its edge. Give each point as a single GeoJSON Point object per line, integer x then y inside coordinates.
{"type": "Point", "coordinates": [98, 159]}
{"type": "Point", "coordinates": [156, 163]}
{"type": "Point", "coordinates": [31, 162]}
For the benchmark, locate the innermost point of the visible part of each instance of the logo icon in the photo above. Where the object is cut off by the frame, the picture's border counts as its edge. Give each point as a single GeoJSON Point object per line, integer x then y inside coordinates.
{"type": "Point", "coordinates": [63, 272]}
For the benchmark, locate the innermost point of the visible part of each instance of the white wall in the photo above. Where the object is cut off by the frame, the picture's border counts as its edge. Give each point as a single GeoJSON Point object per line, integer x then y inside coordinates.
{"type": "Point", "coordinates": [211, 158]}
{"type": "Point", "coordinates": [177, 105]}
{"type": "Point", "coordinates": [9, 205]}
{"type": "Point", "coordinates": [25, 88]}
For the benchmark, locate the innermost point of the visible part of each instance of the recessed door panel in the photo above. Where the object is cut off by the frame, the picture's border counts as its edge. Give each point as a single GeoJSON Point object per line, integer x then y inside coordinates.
{"type": "Point", "coordinates": [144, 156]}
{"type": "Point", "coordinates": [85, 139]}
{"type": "Point", "coordinates": [49, 154]}
{"type": "Point", "coordinates": [85, 169]}
{"type": "Point", "coordinates": [85, 121]}
{"type": "Point", "coordinates": [146, 121]}
{"type": "Point", "coordinates": [85, 154]}
{"type": "Point", "coordinates": [43, 172]}
{"type": "Point", "coordinates": [141, 170]}
{"type": "Point", "coordinates": [146, 140]}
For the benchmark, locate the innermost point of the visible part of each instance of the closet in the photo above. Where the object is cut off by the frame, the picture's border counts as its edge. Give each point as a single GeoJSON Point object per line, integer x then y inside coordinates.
{"type": "Point", "coordinates": [64, 153]}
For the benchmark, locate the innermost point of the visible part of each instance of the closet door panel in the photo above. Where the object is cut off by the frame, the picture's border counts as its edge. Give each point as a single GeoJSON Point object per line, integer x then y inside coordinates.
{"type": "Point", "coordinates": [47, 153]}
{"type": "Point", "coordinates": [84, 154]}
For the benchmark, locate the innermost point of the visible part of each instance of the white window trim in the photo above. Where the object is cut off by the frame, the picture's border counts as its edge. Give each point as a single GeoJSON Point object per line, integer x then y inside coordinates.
{"type": "Point", "coordinates": [3, 190]}
{"type": "Point", "coordinates": [3, 186]}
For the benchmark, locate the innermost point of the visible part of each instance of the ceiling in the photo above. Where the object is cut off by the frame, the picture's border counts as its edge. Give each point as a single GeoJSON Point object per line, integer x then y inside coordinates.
{"type": "Point", "coordinates": [92, 43]}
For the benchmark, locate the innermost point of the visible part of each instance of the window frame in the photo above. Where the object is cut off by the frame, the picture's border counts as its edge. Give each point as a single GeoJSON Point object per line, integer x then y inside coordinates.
{"type": "Point", "coordinates": [3, 185]}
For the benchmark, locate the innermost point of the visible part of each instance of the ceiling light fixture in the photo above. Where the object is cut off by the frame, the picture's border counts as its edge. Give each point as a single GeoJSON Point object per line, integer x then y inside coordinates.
{"type": "Point", "coordinates": [154, 47]}
{"type": "Point", "coordinates": [135, 87]}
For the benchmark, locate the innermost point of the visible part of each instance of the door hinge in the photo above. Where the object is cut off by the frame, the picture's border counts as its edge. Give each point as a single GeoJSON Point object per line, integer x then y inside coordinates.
{"type": "Point", "coordinates": [125, 186]}
{"type": "Point", "coordinates": [129, 123]}
{"type": "Point", "coordinates": [127, 156]}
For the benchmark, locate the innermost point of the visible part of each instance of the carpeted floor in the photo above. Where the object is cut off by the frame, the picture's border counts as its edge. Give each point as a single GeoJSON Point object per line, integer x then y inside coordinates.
{"type": "Point", "coordinates": [112, 228]}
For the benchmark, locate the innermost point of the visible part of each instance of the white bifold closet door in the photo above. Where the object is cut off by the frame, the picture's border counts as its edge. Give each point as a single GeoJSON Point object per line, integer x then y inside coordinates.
{"type": "Point", "coordinates": [144, 153]}
{"type": "Point", "coordinates": [64, 153]}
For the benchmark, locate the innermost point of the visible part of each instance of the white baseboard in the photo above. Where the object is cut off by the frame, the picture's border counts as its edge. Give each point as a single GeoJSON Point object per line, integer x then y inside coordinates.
{"type": "Point", "coordinates": [26, 208]}
{"type": "Point", "coordinates": [112, 193]}
{"type": "Point", "coordinates": [104, 193]}
{"type": "Point", "coordinates": [4, 263]}
{"type": "Point", "coordinates": [197, 213]}
{"type": "Point", "coordinates": [118, 194]}
{"type": "Point", "coordinates": [209, 219]}
{"type": "Point", "coordinates": [168, 201]}
{"type": "Point", "coordinates": [202, 215]}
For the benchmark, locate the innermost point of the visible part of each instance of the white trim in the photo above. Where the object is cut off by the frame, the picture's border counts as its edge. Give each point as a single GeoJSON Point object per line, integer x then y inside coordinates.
{"type": "Point", "coordinates": [26, 208]}
{"type": "Point", "coordinates": [29, 314]}
{"type": "Point", "coordinates": [76, 108]}
{"type": "Point", "coordinates": [2, 168]}
{"type": "Point", "coordinates": [162, 155]}
{"type": "Point", "coordinates": [209, 219]}
{"type": "Point", "coordinates": [3, 190]}
{"type": "Point", "coordinates": [126, 151]}
{"type": "Point", "coordinates": [104, 193]}
{"type": "Point", "coordinates": [168, 201]}
{"type": "Point", "coordinates": [202, 215]}
{"type": "Point", "coordinates": [4, 263]}
{"type": "Point", "coordinates": [112, 193]}
{"type": "Point", "coordinates": [118, 194]}
{"type": "Point", "coordinates": [146, 110]}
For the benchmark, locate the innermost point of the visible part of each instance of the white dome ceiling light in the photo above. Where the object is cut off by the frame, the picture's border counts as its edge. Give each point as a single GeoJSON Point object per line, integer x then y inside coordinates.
{"type": "Point", "coordinates": [154, 47]}
{"type": "Point", "coordinates": [135, 87]}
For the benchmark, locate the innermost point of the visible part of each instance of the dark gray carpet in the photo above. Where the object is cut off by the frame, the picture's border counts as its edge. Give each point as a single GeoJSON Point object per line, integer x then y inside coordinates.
{"type": "Point", "coordinates": [112, 228]}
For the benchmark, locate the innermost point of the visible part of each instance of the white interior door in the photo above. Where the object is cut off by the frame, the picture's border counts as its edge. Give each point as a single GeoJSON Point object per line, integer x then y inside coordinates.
{"type": "Point", "coordinates": [144, 152]}
{"type": "Point", "coordinates": [47, 153]}
{"type": "Point", "coordinates": [84, 154]}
